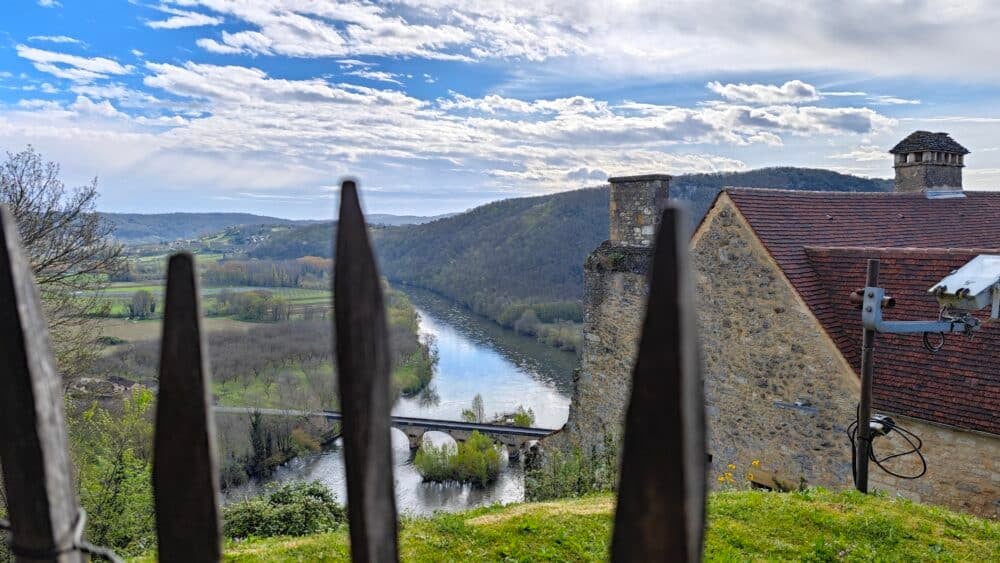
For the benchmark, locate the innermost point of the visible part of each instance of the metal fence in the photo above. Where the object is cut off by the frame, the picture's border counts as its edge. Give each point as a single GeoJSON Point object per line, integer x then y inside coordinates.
{"type": "Point", "coordinates": [661, 497]}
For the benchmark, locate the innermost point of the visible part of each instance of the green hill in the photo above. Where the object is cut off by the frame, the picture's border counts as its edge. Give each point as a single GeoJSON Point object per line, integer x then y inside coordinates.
{"type": "Point", "coordinates": [138, 228]}
{"type": "Point", "coordinates": [499, 256]}
{"type": "Point", "coordinates": [742, 526]}
{"type": "Point", "coordinates": [502, 257]}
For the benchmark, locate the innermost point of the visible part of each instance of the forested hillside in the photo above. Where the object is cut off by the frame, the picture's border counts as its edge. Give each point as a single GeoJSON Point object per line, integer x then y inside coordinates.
{"type": "Point", "coordinates": [520, 261]}
{"type": "Point", "coordinates": [143, 228]}
{"type": "Point", "coordinates": [159, 227]}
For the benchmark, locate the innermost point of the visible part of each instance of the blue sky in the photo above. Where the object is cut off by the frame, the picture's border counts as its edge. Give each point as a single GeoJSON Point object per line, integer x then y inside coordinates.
{"type": "Point", "coordinates": [263, 105]}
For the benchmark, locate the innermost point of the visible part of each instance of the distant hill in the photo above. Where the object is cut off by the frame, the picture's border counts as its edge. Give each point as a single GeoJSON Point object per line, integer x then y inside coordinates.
{"type": "Point", "coordinates": [389, 220]}
{"type": "Point", "coordinates": [498, 256]}
{"type": "Point", "coordinates": [141, 228]}
{"type": "Point", "coordinates": [532, 249]}
{"type": "Point", "coordinates": [136, 228]}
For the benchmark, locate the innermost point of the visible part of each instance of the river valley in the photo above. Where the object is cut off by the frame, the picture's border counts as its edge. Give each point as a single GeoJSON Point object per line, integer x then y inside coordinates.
{"type": "Point", "coordinates": [475, 356]}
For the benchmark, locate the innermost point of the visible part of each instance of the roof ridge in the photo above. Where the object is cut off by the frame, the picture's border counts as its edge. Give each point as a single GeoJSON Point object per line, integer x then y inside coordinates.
{"type": "Point", "coordinates": [905, 249]}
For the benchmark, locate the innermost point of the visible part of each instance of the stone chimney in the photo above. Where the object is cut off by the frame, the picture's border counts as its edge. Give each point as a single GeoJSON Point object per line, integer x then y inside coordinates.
{"type": "Point", "coordinates": [636, 205]}
{"type": "Point", "coordinates": [928, 161]}
{"type": "Point", "coordinates": [615, 285]}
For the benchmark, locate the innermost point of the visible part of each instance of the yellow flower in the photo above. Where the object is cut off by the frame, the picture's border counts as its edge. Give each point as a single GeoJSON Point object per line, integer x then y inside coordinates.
{"type": "Point", "coordinates": [722, 479]}
{"type": "Point", "coordinates": [755, 463]}
{"type": "Point", "coordinates": [731, 467]}
{"type": "Point", "coordinates": [749, 476]}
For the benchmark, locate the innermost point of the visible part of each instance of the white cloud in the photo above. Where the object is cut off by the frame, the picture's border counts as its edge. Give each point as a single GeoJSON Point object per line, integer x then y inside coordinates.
{"type": "Point", "coordinates": [791, 92]}
{"type": "Point", "coordinates": [76, 68]}
{"type": "Point", "coordinates": [86, 106]}
{"type": "Point", "coordinates": [864, 153]}
{"type": "Point", "coordinates": [377, 75]}
{"type": "Point", "coordinates": [183, 18]}
{"type": "Point", "coordinates": [137, 52]}
{"type": "Point", "coordinates": [49, 3]}
{"type": "Point", "coordinates": [891, 101]}
{"type": "Point", "coordinates": [55, 39]}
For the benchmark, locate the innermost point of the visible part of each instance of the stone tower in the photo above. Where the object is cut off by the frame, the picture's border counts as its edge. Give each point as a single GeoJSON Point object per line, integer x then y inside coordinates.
{"type": "Point", "coordinates": [928, 161]}
{"type": "Point", "coordinates": [615, 290]}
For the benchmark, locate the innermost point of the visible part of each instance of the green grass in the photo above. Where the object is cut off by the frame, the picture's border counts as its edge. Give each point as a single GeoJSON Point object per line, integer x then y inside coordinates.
{"type": "Point", "coordinates": [743, 526]}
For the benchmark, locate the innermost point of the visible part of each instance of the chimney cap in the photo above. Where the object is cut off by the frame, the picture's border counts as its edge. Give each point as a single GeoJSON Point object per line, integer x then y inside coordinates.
{"type": "Point", "coordinates": [639, 178]}
{"type": "Point", "coordinates": [920, 141]}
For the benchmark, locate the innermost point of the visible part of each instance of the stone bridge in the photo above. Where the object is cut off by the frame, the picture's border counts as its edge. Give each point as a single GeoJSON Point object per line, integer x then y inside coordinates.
{"type": "Point", "coordinates": [514, 437]}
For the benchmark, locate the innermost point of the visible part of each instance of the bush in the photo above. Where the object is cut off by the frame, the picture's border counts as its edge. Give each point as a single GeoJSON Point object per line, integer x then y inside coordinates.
{"type": "Point", "coordinates": [574, 474]}
{"type": "Point", "coordinates": [291, 509]}
{"type": "Point", "coordinates": [476, 460]}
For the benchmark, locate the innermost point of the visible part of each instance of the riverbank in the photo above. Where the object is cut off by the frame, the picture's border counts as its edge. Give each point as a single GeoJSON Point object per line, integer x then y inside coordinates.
{"type": "Point", "coordinates": [558, 324]}
{"type": "Point", "coordinates": [811, 525]}
{"type": "Point", "coordinates": [474, 357]}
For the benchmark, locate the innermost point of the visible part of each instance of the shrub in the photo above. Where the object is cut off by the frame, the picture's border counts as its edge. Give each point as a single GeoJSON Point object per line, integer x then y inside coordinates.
{"type": "Point", "coordinates": [476, 460]}
{"type": "Point", "coordinates": [573, 474]}
{"type": "Point", "coordinates": [291, 509]}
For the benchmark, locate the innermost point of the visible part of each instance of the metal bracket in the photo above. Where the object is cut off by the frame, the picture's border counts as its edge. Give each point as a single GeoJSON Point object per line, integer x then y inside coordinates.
{"type": "Point", "coordinates": [871, 317]}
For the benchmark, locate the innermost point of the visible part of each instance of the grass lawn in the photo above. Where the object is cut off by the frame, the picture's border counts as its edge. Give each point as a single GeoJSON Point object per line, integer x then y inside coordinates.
{"type": "Point", "coordinates": [743, 526]}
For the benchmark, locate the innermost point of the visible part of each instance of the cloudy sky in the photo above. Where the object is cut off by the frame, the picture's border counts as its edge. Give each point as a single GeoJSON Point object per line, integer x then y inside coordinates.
{"type": "Point", "coordinates": [437, 106]}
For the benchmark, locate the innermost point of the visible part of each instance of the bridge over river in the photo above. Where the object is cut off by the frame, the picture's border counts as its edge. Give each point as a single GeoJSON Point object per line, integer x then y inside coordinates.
{"type": "Point", "coordinates": [514, 437]}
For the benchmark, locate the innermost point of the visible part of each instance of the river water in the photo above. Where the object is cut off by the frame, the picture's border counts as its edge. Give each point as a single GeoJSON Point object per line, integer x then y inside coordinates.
{"type": "Point", "coordinates": [475, 356]}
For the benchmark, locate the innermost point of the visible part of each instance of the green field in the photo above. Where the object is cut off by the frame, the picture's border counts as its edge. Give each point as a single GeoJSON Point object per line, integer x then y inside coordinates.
{"type": "Point", "coordinates": [119, 295]}
{"type": "Point", "coordinates": [812, 525]}
{"type": "Point", "coordinates": [135, 331]}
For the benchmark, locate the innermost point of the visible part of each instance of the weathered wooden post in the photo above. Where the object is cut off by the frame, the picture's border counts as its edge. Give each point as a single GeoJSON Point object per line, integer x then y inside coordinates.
{"type": "Point", "coordinates": [46, 523]}
{"type": "Point", "coordinates": [363, 369]}
{"type": "Point", "coordinates": [661, 495]}
{"type": "Point", "coordinates": [185, 475]}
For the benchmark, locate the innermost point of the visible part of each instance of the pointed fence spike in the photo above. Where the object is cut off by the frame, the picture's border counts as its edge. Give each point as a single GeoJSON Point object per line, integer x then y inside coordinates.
{"type": "Point", "coordinates": [185, 475]}
{"type": "Point", "coordinates": [363, 369]}
{"type": "Point", "coordinates": [41, 499]}
{"type": "Point", "coordinates": [661, 495]}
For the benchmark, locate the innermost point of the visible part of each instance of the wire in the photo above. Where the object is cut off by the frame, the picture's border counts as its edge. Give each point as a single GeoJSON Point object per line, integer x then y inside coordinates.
{"type": "Point", "coordinates": [931, 347]}
{"type": "Point", "coordinates": [852, 435]}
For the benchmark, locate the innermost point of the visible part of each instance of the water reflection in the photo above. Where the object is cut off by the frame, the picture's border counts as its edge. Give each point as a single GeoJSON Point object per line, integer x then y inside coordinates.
{"type": "Point", "coordinates": [475, 356]}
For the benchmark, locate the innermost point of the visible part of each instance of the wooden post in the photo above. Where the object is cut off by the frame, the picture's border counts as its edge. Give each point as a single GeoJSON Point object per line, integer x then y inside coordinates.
{"type": "Point", "coordinates": [865, 407]}
{"type": "Point", "coordinates": [38, 475]}
{"type": "Point", "coordinates": [661, 492]}
{"type": "Point", "coordinates": [363, 368]}
{"type": "Point", "coordinates": [185, 474]}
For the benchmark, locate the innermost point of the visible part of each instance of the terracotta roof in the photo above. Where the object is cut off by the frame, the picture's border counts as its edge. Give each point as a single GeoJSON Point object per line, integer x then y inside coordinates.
{"type": "Point", "coordinates": [960, 384]}
{"type": "Point", "coordinates": [926, 141]}
{"type": "Point", "coordinates": [821, 241]}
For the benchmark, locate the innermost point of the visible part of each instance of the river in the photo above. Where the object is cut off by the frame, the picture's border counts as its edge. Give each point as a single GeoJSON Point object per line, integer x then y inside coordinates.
{"type": "Point", "coordinates": [475, 356]}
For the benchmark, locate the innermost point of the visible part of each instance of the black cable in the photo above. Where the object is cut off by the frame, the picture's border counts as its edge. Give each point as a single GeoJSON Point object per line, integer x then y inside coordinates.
{"type": "Point", "coordinates": [852, 433]}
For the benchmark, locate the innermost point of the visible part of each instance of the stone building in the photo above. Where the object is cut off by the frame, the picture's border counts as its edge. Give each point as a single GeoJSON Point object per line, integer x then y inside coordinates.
{"type": "Point", "coordinates": [774, 270]}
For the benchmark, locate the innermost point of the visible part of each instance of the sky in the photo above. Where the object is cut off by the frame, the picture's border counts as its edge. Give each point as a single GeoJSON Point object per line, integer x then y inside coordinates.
{"type": "Point", "coordinates": [263, 106]}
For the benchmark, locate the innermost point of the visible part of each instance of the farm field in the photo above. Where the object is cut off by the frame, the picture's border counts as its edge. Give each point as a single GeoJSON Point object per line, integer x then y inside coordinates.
{"type": "Point", "coordinates": [118, 295]}
{"type": "Point", "coordinates": [137, 331]}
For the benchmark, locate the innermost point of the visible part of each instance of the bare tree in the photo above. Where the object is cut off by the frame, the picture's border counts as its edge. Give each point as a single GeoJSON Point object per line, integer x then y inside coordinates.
{"type": "Point", "coordinates": [70, 249]}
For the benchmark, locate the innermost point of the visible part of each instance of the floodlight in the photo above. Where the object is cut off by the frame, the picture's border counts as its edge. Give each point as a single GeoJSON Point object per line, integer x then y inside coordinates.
{"type": "Point", "coordinates": [972, 287]}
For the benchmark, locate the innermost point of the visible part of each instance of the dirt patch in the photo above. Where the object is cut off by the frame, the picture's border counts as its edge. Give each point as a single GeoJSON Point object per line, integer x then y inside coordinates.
{"type": "Point", "coordinates": [578, 508]}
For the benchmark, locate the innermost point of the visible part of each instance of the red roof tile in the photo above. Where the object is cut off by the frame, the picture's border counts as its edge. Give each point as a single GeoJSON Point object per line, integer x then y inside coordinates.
{"type": "Point", "coordinates": [822, 240]}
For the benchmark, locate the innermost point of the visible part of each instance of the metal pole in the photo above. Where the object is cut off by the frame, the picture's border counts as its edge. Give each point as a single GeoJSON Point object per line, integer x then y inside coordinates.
{"type": "Point", "coordinates": [865, 408]}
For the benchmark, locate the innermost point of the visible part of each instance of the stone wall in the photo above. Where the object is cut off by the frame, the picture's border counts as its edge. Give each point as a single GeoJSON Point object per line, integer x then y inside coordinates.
{"type": "Point", "coordinates": [777, 390]}
{"type": "Point", "coordinates": [915, 177]}
{"type": "Point", "coordinates": [615, 291]}
{"type": "Point", "coordinates": [963, 468]}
